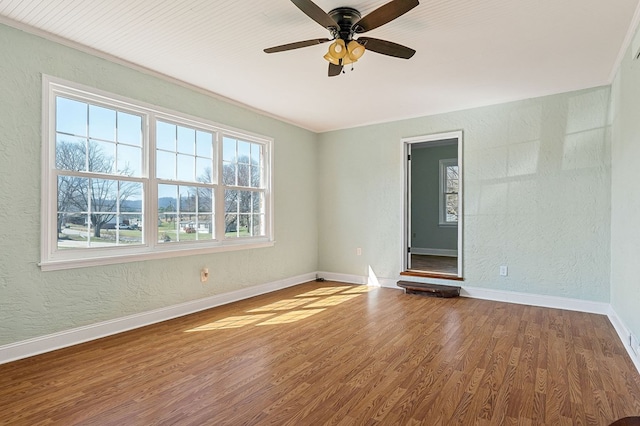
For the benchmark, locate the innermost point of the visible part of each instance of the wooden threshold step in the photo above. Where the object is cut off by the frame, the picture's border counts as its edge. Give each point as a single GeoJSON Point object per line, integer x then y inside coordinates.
{"type": "Point", "coordinates": [434, 290]}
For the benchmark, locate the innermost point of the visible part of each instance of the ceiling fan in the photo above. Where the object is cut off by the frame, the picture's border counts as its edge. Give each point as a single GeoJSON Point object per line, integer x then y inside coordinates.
{"type": "Point", "coordinates": [344, 23]}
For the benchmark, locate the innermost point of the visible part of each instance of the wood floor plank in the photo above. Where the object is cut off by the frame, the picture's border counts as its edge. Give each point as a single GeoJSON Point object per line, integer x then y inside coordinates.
{"type": "Point", "coordinates": [330, 353]}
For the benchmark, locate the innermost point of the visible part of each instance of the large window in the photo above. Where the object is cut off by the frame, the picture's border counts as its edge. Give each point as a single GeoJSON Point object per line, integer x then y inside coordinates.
{"type": "Point", "coordinates": [449, 184]}
{"type": "Point", "coordinates": [126, 181]}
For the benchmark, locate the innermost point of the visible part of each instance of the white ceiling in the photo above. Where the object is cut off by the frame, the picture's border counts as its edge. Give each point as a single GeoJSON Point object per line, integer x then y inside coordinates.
{"type": "Point", "coordinates": [469, 52]}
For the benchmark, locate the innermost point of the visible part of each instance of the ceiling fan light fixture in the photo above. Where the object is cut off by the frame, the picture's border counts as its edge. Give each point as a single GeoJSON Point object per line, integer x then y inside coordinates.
{"type": "Point", "coordinates": [334, 61]}
{"type": "Point", "coordinates": [347, 60]}
{"type": "Point", "coordinates": [355, 49]}
{"type": "Point", "coordinates": [338, 49]}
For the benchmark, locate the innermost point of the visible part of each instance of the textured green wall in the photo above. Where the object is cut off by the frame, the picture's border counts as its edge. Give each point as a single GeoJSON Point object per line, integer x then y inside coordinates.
{"type": "Point", "coordinates": [537, 195]}
{"type": "Point", "coordinates": [625, 197]}
{"type": "Point", "coordinates": [35, 303]}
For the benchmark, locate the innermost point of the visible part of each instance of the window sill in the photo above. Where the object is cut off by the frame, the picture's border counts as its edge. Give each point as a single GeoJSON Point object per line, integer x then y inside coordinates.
{"type": "Point", "coordinates": [61, 264]}
{"type": "Point", "coordinates": [448, 225]}
{"type": "Point", "coordinates": [426, 274]}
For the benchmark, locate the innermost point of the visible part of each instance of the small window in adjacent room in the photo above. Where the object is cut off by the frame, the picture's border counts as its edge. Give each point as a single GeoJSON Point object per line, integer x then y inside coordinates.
{"type": "Point", "coordinates": [449, 182]}
{"type": "Point", "coordinates": [126, 181]}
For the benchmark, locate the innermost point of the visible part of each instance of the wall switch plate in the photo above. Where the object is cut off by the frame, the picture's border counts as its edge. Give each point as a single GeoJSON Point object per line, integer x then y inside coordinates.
{"type": "Point", "coordinates": [503, 271]}
{"type": "Point", "coordinates": [359, 251]}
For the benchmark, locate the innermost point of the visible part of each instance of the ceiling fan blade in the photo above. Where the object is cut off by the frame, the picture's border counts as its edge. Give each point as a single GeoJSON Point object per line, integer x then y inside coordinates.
{"type": "Point", "coordinates": [334, 70]}
{"type": "Point", "coordinates": [314, 12]}
{"type": "Point", "coordinates": [384, 14]}
{"type": "Point", "coordinates": [386, 47]}
{"type": "Point", "coordinates": [296, 45]}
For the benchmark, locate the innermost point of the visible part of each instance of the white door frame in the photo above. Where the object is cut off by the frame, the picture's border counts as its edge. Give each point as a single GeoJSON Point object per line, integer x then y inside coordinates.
{"type": "Point", "coordinates": [406, 217]}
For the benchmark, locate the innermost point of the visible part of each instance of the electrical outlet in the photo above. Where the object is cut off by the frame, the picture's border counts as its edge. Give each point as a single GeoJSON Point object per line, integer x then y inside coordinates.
{"type": "Point", "coordinates": [204, 275]}
{"type": "Point", "coordinates": [504, 271]}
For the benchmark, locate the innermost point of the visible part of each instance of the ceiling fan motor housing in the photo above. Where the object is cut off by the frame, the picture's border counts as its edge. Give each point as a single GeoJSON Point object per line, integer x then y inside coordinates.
{"type": "Point", "coordinates": [345, 17]}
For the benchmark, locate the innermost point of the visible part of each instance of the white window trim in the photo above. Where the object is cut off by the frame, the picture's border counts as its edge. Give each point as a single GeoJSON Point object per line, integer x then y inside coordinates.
{"type": "Point", "coordinates": [54, 259]}
{"type": "Point", "coordinates": [442, 207]}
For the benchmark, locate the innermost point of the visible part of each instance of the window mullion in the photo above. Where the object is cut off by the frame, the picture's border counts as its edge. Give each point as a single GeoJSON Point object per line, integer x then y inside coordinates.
{"type": "Point", "coordinates": [220, 204]}
{"type": "Point", "coordinates": [150, 188]}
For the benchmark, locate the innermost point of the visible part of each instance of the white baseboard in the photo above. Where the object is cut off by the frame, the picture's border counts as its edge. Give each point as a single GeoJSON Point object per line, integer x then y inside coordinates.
{"type": "Point", "coordinates": [371, 280]}
{"type": "Point", "coordinates": [624, 333]}
{"type": "Point", "coordinates": [434, 251]}
{"type": "Point", "coordinates": [343, 278]}
{"type": "Point", "coordinates": [536, 300]}
{"type": "Point", "coordinates": [51, 342]}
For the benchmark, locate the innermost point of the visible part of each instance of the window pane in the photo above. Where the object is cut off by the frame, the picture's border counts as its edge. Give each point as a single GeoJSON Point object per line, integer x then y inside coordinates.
{"type": "Point", "coordinates": [256, 179]}
{"type": "Point", "coordinates": [205, 200]}
{"type": "Point", "coordinates": [230, 225]}
{"type": "Point", "coordinates": [73, 194]}
{"type": "Point", "coordinates": [244, 225]}
{"type": "Point", "coordinates": [73, 230]}
{"type": "Point", "coordinates": [256, 154]}
{"type": "Point", "coordinates": [129, 128]}
{"type": "Point", "coordinates": [71, 116]}
{"type": "Point", "coordinates": [130, 197]}
{"type": "Point", "coordinates": [204, 227]}
{"type": "Point", "coordinates": [72, 219]}
{"type": "Point", "coordinates": [452, 207]}
{"type": "Point", "coordinates": [257, 202]}
{"type": "Point", "coordinates": [167, 198]}
{"type": "Point", "coordinates": [168, 229]}
{"type": "Point", "coordinates": [167, 208]}
{"type": "Point", "coordinates": [231, 200]}
{"type": "Point", "coordinates": [244, 152]}
{"type": "Point", "coordinates": [102, 156]}
{"type": "Point", "coordinates": [229, 173]}
{"type": "Point", "coordinates": [229, 149]}
{"type": "Point", "coordinates": [204, 144]}
{"type": "Point", "coordinates": [165, 136]}
{"type": "Point", "coordinates": [187, 199]}
{"type": "Point", "coordinates": [245, 201]}
{"type": "Point", "coordinates": [165, 165]}
{"type": "Point", "coordinates": [204, 172]}
{"type": "Point", "coordinates": [130, 229]}
{"type": "Point", "coordinates": [103, 198]}
{"type": "Point", "coordinates": [102, 123]}
{"type": "Point", "coordinates": [244, 173]}
{"type": "Point", "coordinates": [186, 167]}
{"type": "Point", "coordinates": [257, 228]}
{"type": "Point", "coordinates": [186, 140]}
{"type": "Point", "coordinates": [452, 179]}
{"type": "Point", "coordinates": [129, 160]}
{"type": "Point", "coordinates": [71, 153]}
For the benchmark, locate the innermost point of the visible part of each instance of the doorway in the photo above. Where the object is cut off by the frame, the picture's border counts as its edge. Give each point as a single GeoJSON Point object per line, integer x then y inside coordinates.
{"type": "Point", "coordinates": [433, 206]}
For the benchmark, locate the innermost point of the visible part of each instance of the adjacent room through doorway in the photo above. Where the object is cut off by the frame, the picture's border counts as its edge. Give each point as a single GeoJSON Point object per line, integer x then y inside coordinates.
{"type": "Point", "coordinates": [434, 205]}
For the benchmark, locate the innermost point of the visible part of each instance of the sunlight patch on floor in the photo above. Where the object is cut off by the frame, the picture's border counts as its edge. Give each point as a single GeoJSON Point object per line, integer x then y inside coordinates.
{"type": "Point", "coordinates": [231, 322]}
{"type": "Point", "coordinates": [287, 311]}
{"type": "Point", "coordinates": [290, 317]}
{"type": "Point", "coordinates": [324, 291]}
{"type": "Point", "coordinates": [331, 301]}
{"type": "Point", "coordinates": [283, 305]}
{"type": "Point", "coordinates": [358, 290]}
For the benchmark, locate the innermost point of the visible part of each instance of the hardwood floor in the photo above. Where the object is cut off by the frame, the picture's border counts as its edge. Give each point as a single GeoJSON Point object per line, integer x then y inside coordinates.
{"type": "Point", "coordinates": [328, 353]}
{"type": "Point", "coordinates": [436, 264]}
